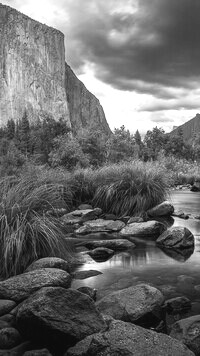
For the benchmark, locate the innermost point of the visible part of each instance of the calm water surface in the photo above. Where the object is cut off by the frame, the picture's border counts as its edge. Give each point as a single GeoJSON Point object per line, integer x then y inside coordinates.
{"type": "Point", "coordinates": [148, 263]}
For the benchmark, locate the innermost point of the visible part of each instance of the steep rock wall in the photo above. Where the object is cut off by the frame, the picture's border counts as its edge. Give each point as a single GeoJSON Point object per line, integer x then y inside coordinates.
{"type": "Point", "coordinates": [189, 128]}
{"type": "Point", "coordinates": [32, 68]}
{"type": "Point", "coordinates": [85, 109]}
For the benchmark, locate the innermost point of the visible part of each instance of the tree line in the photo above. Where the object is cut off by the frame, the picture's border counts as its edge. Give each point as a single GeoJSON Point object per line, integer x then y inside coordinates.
{"type": "Point", "coordinates": [51, 142]}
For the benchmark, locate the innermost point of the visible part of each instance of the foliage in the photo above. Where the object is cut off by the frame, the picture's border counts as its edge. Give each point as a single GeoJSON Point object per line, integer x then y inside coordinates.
{"type": "Point", "coordinates": [67, 153]}
{"type": "Point", "coordinates": [27, 232]}
{"type": "Point", "coordinates": [93, 144]}
{"type": "Point", "coordinates": [128, 189]}
{"type": "Point", "coordinates": [120, 146]}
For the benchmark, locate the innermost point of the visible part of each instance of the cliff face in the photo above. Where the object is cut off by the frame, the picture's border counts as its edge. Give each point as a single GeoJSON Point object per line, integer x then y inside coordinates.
{"type": "Point", "coordinates": [32, 68]}
{"type": "Point", "coordinates": [189, 129]}
{"type": "Point", "coordinates": [85, 109]}
{"type": "Point", "coordinates": [34, 77]}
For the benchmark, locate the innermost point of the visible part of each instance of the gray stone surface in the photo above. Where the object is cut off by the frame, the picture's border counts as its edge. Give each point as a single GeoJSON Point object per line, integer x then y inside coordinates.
{"type": "Point", "coordinates": [91, 292]}
{"type": "Point", "coordinates": [9, 338]}
{"type": "Point", "coordinates": [100, 225]}
{"type": "Point", "coordinates": [177, 237]}
{"type": "Point", "coordinates": [58, 317]}
{"type": "Point", "coordinates": [133, 303]}
{"type": "Point", "coordinates": [115, 244]}
{"type": "Point", "coordinates": [177, 303]}
{"type": "Point", "coordinates": [81, 216]}
{"type": "Point", "coordinates": [6, 306]}
{"type": "Point", "coordinates": [49, 262]}
{"type": "Point", "coordinates": [41, 352]}
{"type": "Point", "coordinates": [125, 339]}
{"type": "Point", "coordinates": [85, 274]}
{"type": "Point", "coordinates": [101, 253]}
{"type": "Point", "coordinates": [151, 229]}
{"type": "Point", "coordinates": [163, 209]}
{"type": "Point", "coordinates": [188, 331]}
{"type": "Point", "coordinates": [21, 286]}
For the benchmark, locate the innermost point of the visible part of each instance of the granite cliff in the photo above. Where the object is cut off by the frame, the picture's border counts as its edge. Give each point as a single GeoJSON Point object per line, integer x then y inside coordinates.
{"type": "Point", "coordinates": [189, 128]}
{"type": "Point", "coordinates": [34, 76]}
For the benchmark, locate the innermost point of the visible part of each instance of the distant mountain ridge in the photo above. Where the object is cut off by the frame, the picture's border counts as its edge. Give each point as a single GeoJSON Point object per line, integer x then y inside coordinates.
{"type": "Point", "coordinates": [189, 128]}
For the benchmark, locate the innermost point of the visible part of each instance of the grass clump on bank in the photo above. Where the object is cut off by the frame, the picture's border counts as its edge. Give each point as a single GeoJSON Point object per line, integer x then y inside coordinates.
{"type": "Point", "coordinates": [27, 232]}
{"type": "Point", "coordinates": [122, 189]}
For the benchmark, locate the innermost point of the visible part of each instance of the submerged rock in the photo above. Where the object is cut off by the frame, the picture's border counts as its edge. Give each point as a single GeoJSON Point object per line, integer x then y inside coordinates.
{"type": "Point", "coordinates": [180, 255]}
{"type": "Point", "coordinates": [163, 209]}
{"type": "Point", "coordinates": [58, 317]}
{"type": "Point", "coordinates": [21, 286]}
{"type": "Point", "coordinates": [101, 254]}
{"type": "Point", "coordinates": [100, 225]}
{"type": "Point", "coordinates": [144, 229]}
{"type": "Point", "coordinates": [188, 332]}
{"type": "Point", "coordinates": [127, 339]}
{"type": "Point", "coordinates": [85, 274]}
{"type": "Point", "coordinates": [177, 237]}
{"type": "Point", "coordinates": [115, 244]}
{"type": "Point", "coordinates": [133, 304]}
{"type": "Point", "coordinates": [49, 262]}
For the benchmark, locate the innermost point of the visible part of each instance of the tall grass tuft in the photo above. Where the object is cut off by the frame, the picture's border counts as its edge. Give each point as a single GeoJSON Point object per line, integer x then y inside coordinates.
{"type": "Point", "coordinates": [27, 232]}
{"type": "Point", "coordinates": [129, 189]}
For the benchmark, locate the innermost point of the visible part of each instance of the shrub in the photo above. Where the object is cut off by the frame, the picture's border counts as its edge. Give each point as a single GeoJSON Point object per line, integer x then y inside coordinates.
{"type": "Point", "coordinates": [27, 232]}
{"type": "Point", "coordinates": [129, 189]}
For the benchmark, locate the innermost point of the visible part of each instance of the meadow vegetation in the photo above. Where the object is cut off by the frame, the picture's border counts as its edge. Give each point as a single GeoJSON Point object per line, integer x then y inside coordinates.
{"type": "Point", "coordinates": [44, 167]}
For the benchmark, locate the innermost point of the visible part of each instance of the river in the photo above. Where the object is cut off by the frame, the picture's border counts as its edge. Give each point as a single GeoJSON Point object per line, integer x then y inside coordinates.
{"type": "Point", "coordinates": [174, 274]}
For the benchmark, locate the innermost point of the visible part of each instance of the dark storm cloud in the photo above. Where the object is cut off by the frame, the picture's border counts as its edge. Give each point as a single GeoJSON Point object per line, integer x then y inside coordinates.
{"type": "Point", "coordinates": [155, 47]}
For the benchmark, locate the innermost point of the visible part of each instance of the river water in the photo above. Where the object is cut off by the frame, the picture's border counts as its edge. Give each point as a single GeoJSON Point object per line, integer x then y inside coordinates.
{"type": "Point", "coordinates": [173, 273]}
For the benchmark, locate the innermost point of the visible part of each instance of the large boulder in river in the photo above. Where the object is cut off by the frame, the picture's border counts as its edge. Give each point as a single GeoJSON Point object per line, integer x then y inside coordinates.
{"type": "Point", "coordinates": [163, 209]}
{"type": "Point", "coordinates": [22, 286]}
{"type": "Point", "coordinates": [80, 216]}
{"type": "Point", "coordinates": [58, 317]}
{"type": "Point", "coordinates": [49, 262]}
{"type": "Point", "coordinates": [188, 331]}
{"type": "Point", "coordinates": [127, 339]}
{"type": "Point", "coordinates": [115, 244]}
{"type": "Point", "coordinates": [100, 225]}
{"type": "Point", "coordinates": [177, 237]}
{"type": "Point", "coordinates": [151, 229]}
{"type": "Point", "coordinates": [133, 304]}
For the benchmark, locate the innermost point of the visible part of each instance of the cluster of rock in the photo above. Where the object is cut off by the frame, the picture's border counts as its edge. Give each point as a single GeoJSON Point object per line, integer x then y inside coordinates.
{"type": "Point", "coordinates": [40, 314]}
{"type": "Point", "coordinates": [88, 226]}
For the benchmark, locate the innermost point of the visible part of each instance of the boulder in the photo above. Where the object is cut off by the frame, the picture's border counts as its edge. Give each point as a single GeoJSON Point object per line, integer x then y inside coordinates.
{"type": "Point", "coordinates": [100, 225]}
{"type": "Point", "coordinates": [6, 306]}
{"type": "Point", "coordinates": [9, 338]}
{"type": "Point", "coordinates": [85, 274]}
{"type": "Point", "coordinates": [180, 255]}
{"type": "Point", "coordinates": [131, 340]}
{"type": "Point", "coordinates": [135, 219]}
{"type": "Point", "coordinates": [101, 254]}
{"type": "Point", "coordinates": [188, 332]}
{"type": "Point", "coordinates": [195, 187]}
{"type": "Point", "coordinates": [49, 262]}
{"type": "Point", "coordinates": [180, 214]}
{"type": "Point", "coordinates": [41, 352]}
{"type": "Point", "coordinates": [133, 304]}
{"type": "Point", "coordinates": [9, 319]}
{"type": "Point", "coordinates": [115, 245]}
{"type": "Point", "coordinates": [177, 304]}
{"type": "Point", "coordinates": [21, 286]}
{"type": "Point", "coordinates": [149, 229]}
{"type": "Point", "coordinates": [163, 209]}
{"type": "Point", "coordinates": [197, 217]}
{"type": "Point", "coordinates": [91, 292]}
{"type": "Point", "coordinates": [177, 237]}
{"type": "Point", "coordinates": [80, 216]}
{"type": "Point", "coordinates": [58, 317]}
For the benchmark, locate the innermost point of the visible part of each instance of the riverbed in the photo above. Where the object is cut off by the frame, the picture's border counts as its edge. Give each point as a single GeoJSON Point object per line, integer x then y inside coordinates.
{"type": "Point", "coordinates": [175, 274]}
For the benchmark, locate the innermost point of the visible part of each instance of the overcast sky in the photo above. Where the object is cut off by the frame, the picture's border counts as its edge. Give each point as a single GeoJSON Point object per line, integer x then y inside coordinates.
{"type": "Point", "coordinates": [141, 58]}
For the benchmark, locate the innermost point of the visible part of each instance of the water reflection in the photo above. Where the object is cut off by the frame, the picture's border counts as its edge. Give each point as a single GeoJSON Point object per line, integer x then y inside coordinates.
{"type": "Point", "coordinates": [178, 255]}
